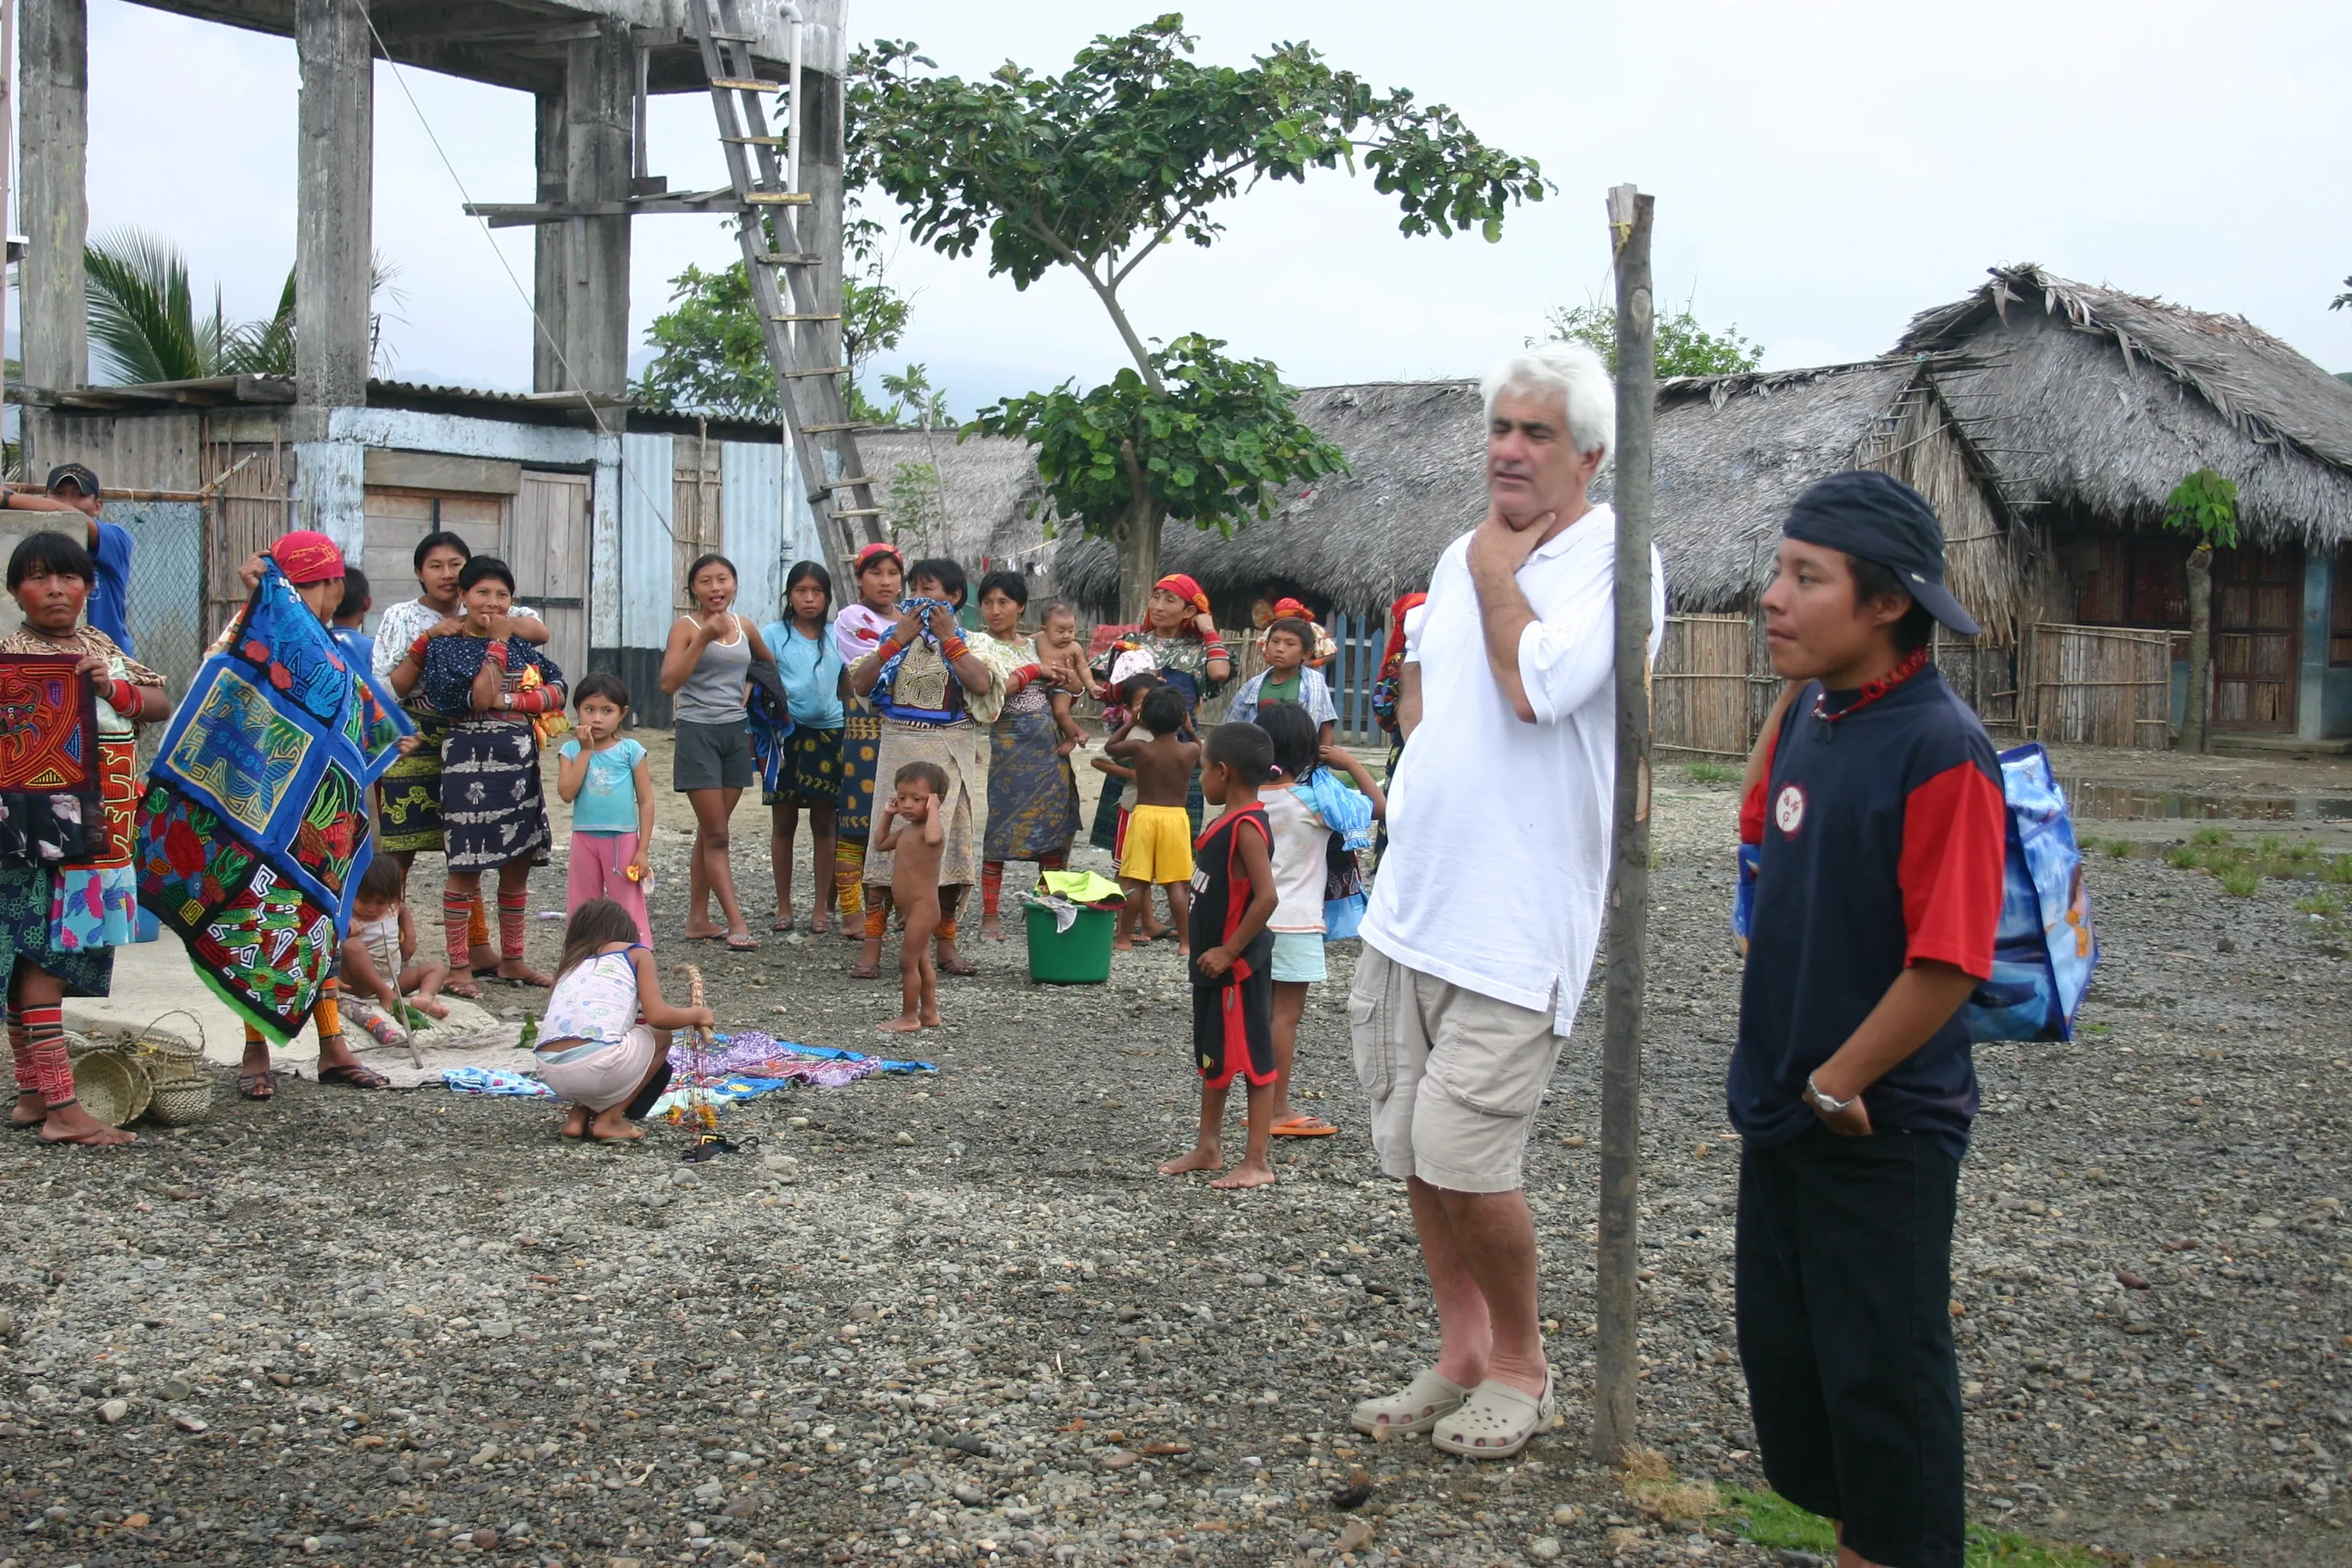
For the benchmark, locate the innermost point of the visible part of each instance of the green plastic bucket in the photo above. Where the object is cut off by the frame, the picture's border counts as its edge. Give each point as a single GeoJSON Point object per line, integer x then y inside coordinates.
{"type": "Point", "coordinates": [1078, 956]}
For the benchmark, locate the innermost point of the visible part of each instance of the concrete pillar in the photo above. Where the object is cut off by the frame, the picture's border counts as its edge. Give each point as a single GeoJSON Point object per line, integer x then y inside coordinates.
{"type": "Point", "coordinates": [822, 130]}
{"type": "Point", "coordinates": [598, 81]}
{"type": "Point", "coordinates": [334, 200]}
{"type": "Point", "coordinates": [551, 258]}
{"type": "Point", "coordinates": [54, 74]}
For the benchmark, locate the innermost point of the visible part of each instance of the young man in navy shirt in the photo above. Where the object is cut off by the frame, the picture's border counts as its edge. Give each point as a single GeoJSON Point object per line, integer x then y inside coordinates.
{"type": "Point", "coordinates": [73, 488]}
{"type": "Point", "coordinates": [1875, 802]}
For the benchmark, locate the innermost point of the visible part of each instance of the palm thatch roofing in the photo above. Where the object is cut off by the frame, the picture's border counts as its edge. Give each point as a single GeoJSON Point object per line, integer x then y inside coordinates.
{"type": "Point", "coordinates": [1732, 453]}
{"type": "Point", "coordinates": [988, 503]}
{"type": "Point", "coordinates": [2088, 400]}
{"type": "Point", "coordinates": [2064, 398]}
{"type": "Point", "coordinates": [1416, 454]}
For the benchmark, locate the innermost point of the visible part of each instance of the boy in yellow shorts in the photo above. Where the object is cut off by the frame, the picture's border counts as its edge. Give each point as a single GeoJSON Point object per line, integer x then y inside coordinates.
{"type": "Point", "coordinates": [1159, 830]}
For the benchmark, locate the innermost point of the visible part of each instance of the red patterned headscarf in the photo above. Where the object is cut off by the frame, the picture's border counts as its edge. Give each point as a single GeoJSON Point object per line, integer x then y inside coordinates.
{"type": "Point", "coordinates": [1184, 588]}
{"type": "Point", "coordinates": [307, 556]}
{"type": "Point", "coordinates": [1392, 656]}
{"type": "Point", "coordinates": [1292, 610]}
{"type": "Point", "coordinates": [871, 551]}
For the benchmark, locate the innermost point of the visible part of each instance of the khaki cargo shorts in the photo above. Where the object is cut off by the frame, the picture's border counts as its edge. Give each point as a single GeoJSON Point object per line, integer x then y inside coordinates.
{"type": "Point", "coordinates": [1452, 1078]}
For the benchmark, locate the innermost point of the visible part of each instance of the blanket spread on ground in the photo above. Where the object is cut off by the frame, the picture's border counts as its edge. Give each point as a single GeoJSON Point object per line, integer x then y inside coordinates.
{"type": "Point", "coordinates": [253, 832]}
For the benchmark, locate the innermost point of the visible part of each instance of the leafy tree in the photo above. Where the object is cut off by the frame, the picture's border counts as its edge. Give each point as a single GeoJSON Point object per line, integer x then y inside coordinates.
{"type": "Point", "coordinates": [2344, 299]}
{"type": "Point", "coordinates": [1132, 148]}
{"type": "Point", "coordinates": [2204, 506]}
{"type": "Point", "coordinates": [911, 392]}
{"type": "Point", "coordinates": [917, 506]}
{"type": "Point", "coordinates": [1684, 348]}
{"type": "Point", "coordinates": [711, 354]}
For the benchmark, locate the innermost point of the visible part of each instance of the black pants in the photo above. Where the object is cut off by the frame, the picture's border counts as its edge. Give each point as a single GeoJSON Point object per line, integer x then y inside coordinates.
{"type": "Point", "coordinates": [1845, 1265]}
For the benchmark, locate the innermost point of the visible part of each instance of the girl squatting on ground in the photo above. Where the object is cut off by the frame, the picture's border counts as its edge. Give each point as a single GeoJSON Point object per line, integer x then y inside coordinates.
{"type": "Point", "coordinates": [605, 1043]}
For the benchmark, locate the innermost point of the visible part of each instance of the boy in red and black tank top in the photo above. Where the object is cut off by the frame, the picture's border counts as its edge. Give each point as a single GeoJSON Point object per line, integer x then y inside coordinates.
{"type": "Point", "coordinates": [1233, 983]}
{"type": "Point", "coordinates": [1875, 802]}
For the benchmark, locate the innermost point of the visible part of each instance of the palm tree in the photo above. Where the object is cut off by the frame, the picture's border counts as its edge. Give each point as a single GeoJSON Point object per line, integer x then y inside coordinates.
{"type": "Point", "coordinates": [143, 321]}
{"type": "Point", "coordinates": [143, 326]}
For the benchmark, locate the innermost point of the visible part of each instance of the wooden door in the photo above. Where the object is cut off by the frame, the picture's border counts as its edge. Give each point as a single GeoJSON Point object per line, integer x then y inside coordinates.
{"type": "Point", "coordinates": [398, 520]}
{"type": "Point", "coordinates": [551, 562]}
{"type": "Point", "coordinates": [2257, 623]}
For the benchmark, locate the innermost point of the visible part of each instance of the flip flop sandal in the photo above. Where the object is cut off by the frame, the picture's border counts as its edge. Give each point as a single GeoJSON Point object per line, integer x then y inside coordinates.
{"type": "Point", "coordinates": [352, 1075]}
{"type": "Point", "coordinates": [964, 967]}
{"type": "Point", "coordinates": [256, 1086]}
{"type": "Point", "coordinates": [865, 972]}
{"type": "Point", "coordinates": [1425, 1402]}
{"type": "Point", "coordinates": [745, 944]}
{"type": "Point", "coordinates": [1303, 1126]}
{"type": "Point", "coordinates": [1496, 1422]}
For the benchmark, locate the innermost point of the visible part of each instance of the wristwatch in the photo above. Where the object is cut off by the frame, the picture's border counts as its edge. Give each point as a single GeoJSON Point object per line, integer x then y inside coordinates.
{"type": "Point", "coordinates": [1823, 1103]}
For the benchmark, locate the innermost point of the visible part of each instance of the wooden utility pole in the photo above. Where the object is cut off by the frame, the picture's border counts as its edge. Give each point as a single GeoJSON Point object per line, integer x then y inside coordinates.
{"type": "Point", "coordinates": [1629, 871]}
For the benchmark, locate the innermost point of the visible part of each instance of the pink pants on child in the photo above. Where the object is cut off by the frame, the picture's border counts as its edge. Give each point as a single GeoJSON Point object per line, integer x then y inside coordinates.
{"type": "Point", "coordinates": [600, 869]}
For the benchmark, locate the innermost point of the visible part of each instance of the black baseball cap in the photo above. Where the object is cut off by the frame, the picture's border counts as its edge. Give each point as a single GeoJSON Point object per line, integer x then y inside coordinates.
{"type": "Point", "coordinates": [76, 474]}
{"type": "Point", "coordinates": [1877, 517]}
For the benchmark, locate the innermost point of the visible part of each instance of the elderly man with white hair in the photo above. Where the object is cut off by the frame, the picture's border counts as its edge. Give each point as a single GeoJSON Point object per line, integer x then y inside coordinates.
{"type": "Point", "coordinates": [1487, 908]}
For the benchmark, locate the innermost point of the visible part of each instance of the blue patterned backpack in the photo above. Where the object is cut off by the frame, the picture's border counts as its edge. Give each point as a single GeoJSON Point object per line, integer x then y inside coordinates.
{"type": "Point", "coordinates": [2046, 949]}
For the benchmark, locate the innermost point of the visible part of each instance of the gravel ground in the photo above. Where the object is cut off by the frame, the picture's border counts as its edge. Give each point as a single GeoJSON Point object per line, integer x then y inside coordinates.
{"type": "Point", "coordinates": [958, 1319]}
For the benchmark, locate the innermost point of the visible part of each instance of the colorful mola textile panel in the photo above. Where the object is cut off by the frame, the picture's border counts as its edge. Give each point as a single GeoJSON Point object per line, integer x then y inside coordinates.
{"type": "Point", "coordinates": [253, 832]}
{"type": "Point", "coordinates": [49, 726]}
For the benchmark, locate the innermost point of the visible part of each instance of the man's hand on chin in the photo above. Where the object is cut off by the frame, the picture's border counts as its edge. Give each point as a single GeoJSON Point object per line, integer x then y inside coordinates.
{"type": "Point", "coordinates": [1503, 541]}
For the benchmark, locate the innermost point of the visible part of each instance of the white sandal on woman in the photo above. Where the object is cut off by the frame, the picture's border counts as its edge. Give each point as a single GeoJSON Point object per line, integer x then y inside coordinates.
{"type": "Point", "coordinates": [1424, 1401]}
{"type": "Point", "coordinates": [1496, 1420]}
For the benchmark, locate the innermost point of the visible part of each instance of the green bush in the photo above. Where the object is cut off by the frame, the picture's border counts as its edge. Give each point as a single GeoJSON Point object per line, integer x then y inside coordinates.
{"type": "Point", "coordinates": [2185, 857]}
{"type": "Point", "coordinates": [2117, 848]}
{"type": "Point", "coordinates": [2242, 882]}
{"type": "Point", "coordinates": [2335, 869]}
{"type": "Point", "coordinates": [2209, 835]}
{"type": "Point", "coordinates": [1710, 773]}
{"type": "Point", "coordinates": [1774, 1523]}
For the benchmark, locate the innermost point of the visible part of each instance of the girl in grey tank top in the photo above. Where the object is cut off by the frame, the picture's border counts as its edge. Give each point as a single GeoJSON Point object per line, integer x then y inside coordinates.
{"type": "Point", "coordinates": [713, 694]}
{"type": "Point", "coordinates": [713, 757]}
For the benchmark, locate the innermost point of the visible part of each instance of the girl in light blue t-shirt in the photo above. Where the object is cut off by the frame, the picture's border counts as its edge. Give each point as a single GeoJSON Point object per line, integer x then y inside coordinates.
{"type": "Point", "coordinates": [609, 784]}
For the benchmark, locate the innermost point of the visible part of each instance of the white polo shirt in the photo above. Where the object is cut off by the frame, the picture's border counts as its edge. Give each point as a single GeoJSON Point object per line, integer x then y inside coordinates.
{"type": "Point", "coordinates": [1497, 865]}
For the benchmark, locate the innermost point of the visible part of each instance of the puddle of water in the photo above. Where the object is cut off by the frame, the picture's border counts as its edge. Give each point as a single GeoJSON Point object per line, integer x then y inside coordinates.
{"type": "Point", "coordinates": [2130, 802]}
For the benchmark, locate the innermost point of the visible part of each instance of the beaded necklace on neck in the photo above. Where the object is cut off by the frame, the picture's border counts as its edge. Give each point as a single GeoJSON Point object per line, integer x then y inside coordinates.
{"type": "Point", "coordinates": [1874, 690]}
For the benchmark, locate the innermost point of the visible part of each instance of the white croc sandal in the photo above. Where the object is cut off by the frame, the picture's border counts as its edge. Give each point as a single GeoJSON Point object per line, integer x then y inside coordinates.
{"type": "Point", "coordinates": [1496, 1421]}
{"type": "Point", "coordinates": [1426, 1401]}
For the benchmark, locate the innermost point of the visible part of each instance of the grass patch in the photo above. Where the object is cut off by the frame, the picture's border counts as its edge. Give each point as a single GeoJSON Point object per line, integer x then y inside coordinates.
{"type": "Point", "coordinates": [1773, 1523]}
{"type": "Point", "coordinates": [2184, 858]}
{"type": "Point", "coordinates": [1652, 1486]}
{"type": "Point", "coordinates": [2242, 882]}
{"type": "Point", "coordinates": [2116, 848]}
{"type": "Point", "coordinates": [2207, 838]}
{"type": "Point", "coordinates": [2302, 851]}
{"type": "Point", "coordinates": [2319, 904]}
{"type": "Point", "coordinates": [2335, 869]}
{"type": "Point", "coordinates": [1710, 773]}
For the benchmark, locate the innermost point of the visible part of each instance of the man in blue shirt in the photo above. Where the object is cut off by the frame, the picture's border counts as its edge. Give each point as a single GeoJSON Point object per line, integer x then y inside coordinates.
{"type": "Point", "coordinates": [349, 629]}
{"type": "Point", "coordinates": [73, 488]}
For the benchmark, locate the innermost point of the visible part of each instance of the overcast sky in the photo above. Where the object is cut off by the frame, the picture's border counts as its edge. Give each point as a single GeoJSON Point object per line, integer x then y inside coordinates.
{"type": "Point", "coordinates": [1822, 170]}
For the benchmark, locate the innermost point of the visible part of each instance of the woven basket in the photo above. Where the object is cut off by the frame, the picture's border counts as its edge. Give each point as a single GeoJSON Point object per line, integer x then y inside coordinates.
{"type": "Point", "coordinates": [112, 1087]}
{"type": "Point", "coordinates": [180, 1100]}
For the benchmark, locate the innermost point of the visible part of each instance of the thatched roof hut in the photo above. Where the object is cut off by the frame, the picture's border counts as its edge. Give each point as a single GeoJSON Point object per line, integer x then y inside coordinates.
{"type": "Point", "coordinates": [1416, 462]}
{"type": "Point", "coordinates": [2090, 401]}
{"type": "Point", "coordinates": [988, 502]}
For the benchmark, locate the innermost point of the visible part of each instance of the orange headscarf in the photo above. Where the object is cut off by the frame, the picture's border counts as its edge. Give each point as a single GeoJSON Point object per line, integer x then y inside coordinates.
{"type": "Point", "coordinates": [1184, 588]}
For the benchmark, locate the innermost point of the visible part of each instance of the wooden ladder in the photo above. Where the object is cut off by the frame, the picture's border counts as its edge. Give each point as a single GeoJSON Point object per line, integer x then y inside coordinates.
{"type": "Point", "coordinates": [773, 225]}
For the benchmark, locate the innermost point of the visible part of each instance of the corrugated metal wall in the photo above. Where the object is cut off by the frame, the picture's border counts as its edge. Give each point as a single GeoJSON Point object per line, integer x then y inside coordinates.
{"type": "Point", "coordinates": [751, 508]}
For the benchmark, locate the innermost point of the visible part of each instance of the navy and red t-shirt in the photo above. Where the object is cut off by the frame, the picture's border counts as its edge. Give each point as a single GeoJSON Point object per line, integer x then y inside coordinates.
{"type": "Point", "coordinates": [1880, 832]}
